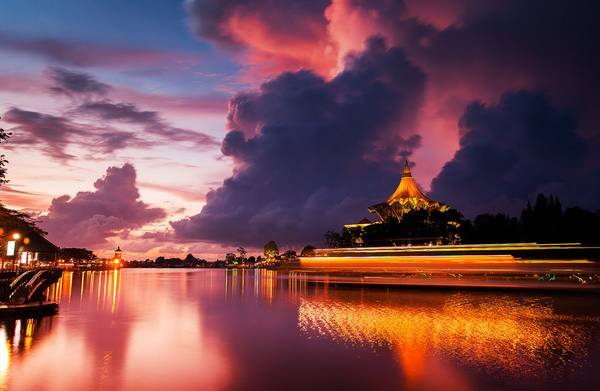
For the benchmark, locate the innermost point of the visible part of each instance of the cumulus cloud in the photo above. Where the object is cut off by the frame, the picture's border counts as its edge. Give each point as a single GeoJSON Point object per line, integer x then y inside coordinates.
{"type": "Point", "coordinates": [469, 50]}
{"type": "Point", "coordinates": [511, 151]}
{"type": "Point", "coordinates": [91, 217]}
{"type": "Point", "coordinates": [71, 83]}
{"type": "Point", "coordinates": [312, 154]}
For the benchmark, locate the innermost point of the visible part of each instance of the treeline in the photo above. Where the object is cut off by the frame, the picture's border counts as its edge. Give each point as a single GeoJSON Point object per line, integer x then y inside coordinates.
{"type": "Point", "coordinates": [269, 257]}
{"type": "Point", "coordinates": [543, 222]}
{"type": "Point", "coordinates": [161, 262]}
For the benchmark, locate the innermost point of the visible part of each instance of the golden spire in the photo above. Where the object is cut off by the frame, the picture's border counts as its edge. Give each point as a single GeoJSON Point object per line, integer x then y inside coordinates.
{"type": "Point", "coordinates": [408, 196]}
{"type": "Point", "coordinates": [406, 170]}
{"type": "Point", "coordinates": [407, 188]}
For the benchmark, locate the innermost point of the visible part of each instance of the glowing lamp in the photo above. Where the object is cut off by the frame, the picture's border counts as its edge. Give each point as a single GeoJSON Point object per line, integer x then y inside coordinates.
{"type": "Point", "coordinates": [16, 236]}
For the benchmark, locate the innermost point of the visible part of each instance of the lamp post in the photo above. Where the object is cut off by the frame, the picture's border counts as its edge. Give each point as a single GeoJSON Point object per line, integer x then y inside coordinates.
{"type": "Point", "coordinates": [11, 246]}
{"type": "Point", "coordinates": [16, 236]}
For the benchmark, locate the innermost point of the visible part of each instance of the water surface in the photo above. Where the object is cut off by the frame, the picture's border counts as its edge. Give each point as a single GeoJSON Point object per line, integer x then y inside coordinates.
{"type": "Point", "coordinates": [150, 329]}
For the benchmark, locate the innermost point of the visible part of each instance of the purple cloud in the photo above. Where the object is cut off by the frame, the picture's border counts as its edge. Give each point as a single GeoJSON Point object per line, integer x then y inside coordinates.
{"type": "Point", "coordinates": [306, 151]}
{"type": "Point", "coordinates": [74, 53]}
{"type": "Point", "coordinates": [90, 217]}
{"type": "Point", "coordinates": [150, 120]}
{"type": "Point", "coordinates": [71, 83]}
{"type": "Point", "coordinates": [54, 134]}
{"type": "Point", "coordinates": [511, 151]}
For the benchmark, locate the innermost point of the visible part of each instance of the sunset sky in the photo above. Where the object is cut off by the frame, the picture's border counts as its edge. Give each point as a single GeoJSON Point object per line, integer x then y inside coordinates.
{"type": "Point", "coordinates": [169, 127]}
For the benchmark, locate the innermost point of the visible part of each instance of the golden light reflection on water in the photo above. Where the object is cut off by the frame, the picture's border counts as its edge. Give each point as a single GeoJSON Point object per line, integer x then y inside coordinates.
{"type": "Point", "coordinates": [260, 283]}
{"type": "Point", "coordinates": [518, 337]}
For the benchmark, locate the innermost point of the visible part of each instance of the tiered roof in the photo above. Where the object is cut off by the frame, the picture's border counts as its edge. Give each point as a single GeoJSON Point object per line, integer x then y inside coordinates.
{"type": "Point", "coordinates": [408, 196]}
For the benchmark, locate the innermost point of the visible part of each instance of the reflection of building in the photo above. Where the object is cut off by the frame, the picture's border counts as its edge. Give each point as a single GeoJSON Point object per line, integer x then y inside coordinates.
{"type": "Point", "coordinates": [408, 196]}
{"type": "Point", "coordinates": [509, 334]}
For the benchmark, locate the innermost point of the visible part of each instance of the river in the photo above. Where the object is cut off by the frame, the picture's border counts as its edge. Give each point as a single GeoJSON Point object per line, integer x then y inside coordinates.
{"type": "Point", "coordinates": [214, 329]}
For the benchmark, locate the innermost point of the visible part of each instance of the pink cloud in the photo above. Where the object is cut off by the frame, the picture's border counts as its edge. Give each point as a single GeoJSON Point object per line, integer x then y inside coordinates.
{"type": "Point", "coordinates": [184, 194]}
{"type": "Point", "coordinates": [184, 104]}
{"type": "Point", "coordinates": [10, 195]}
{"type": "Point", "coordinates": [90, 217]}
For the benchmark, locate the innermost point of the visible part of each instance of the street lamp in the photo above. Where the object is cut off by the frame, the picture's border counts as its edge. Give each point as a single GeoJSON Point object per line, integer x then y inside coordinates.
{"type": "Point", "coordinates": [11, 246]}
{"type": "Point", "coordinates": [16, 236]}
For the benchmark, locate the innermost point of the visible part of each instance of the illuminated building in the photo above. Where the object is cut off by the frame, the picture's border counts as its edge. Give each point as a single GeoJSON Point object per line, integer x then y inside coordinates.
{"type": "Point", "coordinates": [118, 257]}
{"type": "Point", "coordinates": [118, 253]}
{"type": "Point", "coordinates": [407, 217]}
{"type": "Point", "coordinates": [408, 196]}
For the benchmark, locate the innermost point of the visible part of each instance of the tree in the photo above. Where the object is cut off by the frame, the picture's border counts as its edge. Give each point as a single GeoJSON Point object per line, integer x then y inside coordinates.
{"type": "Point", "coordinates": [290, 255]}
{"type": "Point", "coordinates": [333, 239]}
{"type": "Point", "coordinates": [242, 251]}
{"type": "Point", "coordinates": [12, 220]}
{"type": "Point", "coordinates": [271, 251]}
{"type": "Point", "coordinates": [231, 259]}
{"type": "Point", "coordinates": [490, 228]}
{"type": "Point", "coordinates": [308, 251]}
{"type": "Point", "coordinates": [4, 135]}
{"type": "Point", "coordinates": [190, 259]}
{"type": "Point", "coordinates": [77, 254]}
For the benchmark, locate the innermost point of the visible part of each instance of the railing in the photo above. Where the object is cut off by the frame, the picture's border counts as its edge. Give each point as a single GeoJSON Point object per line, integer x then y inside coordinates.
{"type": "Point", "coordinates": [30, 285]}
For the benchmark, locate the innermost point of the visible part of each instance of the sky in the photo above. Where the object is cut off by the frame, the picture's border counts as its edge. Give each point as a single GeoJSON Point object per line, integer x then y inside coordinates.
{"type": "Point", "coordinates": [169, 127]}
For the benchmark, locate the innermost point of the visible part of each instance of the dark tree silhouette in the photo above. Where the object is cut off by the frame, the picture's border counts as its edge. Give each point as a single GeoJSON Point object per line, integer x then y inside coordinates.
{"type": "Point", "coordinates": [271, 251]}
{"type": "Point", "coordinates": [77, 254]}
{"type": "Point", "coordinates": [308, 251]}
{"type": "Point", "coordinates": [4, 135]}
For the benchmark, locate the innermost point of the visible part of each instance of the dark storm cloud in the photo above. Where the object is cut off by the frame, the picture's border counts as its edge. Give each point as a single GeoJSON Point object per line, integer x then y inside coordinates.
{"type": "Point", "coordinates": [304, 150]}
{"type": "Point", "coordinates": [540, 44]}
{"type": "Point", "coordinates": [68, 82]}
{"type": "Point", "coordinates": [511, 151]}
{"type": "Point", "coordinates": [151, 121]}
{"type": "Point", "coordinates": [90, 217]}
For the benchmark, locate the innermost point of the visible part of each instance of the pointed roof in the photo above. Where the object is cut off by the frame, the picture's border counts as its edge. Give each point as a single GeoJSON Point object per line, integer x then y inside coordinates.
{"type": "Point", "coordinates": [407, 188]}
{"type": "Point", "coordinates": [118, 249]}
